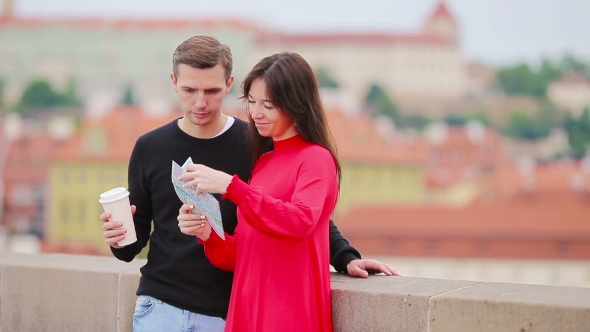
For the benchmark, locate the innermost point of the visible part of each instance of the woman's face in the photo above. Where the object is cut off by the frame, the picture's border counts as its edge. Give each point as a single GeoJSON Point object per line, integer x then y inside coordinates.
{"type": "Point", "coordinates": [269, 120]}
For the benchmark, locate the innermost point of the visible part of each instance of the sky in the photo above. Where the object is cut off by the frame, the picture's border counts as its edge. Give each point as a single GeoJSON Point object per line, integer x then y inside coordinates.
{"type": "Point", "coordinates": [496, 32]}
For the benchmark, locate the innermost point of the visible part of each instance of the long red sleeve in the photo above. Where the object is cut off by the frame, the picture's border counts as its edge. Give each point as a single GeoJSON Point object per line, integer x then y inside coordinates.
{"type": "Point", "coordinates": [291, 220]}
{"type": "Point", "coordinates": [222, 254]}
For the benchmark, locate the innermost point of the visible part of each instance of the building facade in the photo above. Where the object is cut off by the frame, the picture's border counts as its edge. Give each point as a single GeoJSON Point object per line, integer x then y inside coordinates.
{"type": "Point", "coordinates": [423, 66]}
{"type": "Point", "coordinates": [93, 161]}
{"type": "Point", "coordinates": [570, 93]}
{"type": "Point", "coordinates": [102, 57]}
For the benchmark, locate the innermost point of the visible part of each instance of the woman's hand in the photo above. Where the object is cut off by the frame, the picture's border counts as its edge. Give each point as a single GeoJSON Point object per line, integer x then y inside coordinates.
{"type": "Point", "coordinates": [205, 179]}
{"type": "Point", "coordinates": [193, 224]}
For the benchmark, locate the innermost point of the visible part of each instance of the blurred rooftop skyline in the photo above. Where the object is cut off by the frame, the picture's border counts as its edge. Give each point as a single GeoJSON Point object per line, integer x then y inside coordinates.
{"type": "Point", "coordinates": [494, 32]}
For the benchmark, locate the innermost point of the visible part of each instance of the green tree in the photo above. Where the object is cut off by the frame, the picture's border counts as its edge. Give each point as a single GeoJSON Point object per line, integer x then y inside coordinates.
{"type": "Point", "coordinates": [521, 126]}
{"type": "Point", "coordinates": [547, 74]}
{"type": "Point", "coordinates": [570, 63]}
{"type": "Point", "coordinates": [454, 119]}
{"type": "Point", "coordinates": [482, 116]}
{"type": "Point", "coordinates": [548, 113]}
{"type": "Point", "coordinates": [128, 96]}
{"type": "Point", "coordinates": [578, 131]}
{"type": "Point", "coordinates": [70, 97]}
{"type": "Point", "coordinates": [520, 80]}
{"type": "Point", "coordinates": [379, 103]}
{"type": "Point", "coordinates": [2, 86]}
{"type": "Point", "coordinates": [415, 121]}
{"type": "Point", "coordinates": [325, 80]}
{"type": "Point", "coordinates": [39, 94]}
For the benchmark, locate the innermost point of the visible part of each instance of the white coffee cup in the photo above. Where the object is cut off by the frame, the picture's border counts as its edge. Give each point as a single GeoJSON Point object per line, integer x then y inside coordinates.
{"type": "Point", "coordinates": [116, 202]}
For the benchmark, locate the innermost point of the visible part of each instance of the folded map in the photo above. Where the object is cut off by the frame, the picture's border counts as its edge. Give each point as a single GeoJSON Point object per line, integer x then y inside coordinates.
{"type": "Point", "coordinates": [204, 203]}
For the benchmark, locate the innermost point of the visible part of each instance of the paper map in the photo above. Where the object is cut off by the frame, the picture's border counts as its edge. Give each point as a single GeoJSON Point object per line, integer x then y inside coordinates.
{"type": "Point", "coordinates": [204, 203]}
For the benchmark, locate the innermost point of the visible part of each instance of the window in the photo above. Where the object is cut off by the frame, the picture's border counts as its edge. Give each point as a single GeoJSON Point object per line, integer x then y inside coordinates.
{"type": "Point", "coordinates": [83, 175]}
{"type": "Point", "coordinates": [65, 175]}
{"type": "Point", "coordinates": [21, 195]}
{"type": "Point", "coordinates": [82, 211]}
{"type": "Point", "coordinates": [377, 178]}
{"type": "Point", "coordinates": [102, 175]}
{"type": "Point", "coordinates": [64, 211]}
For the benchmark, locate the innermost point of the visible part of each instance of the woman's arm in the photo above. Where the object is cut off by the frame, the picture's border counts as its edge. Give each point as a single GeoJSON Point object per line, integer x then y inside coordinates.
{"type": "Point", "coordinates": [316, 182]}
{"type": "Point", "coordinates": [222, 254]}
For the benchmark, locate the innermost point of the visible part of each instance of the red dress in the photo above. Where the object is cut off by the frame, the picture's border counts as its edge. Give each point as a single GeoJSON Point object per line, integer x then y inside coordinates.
{"type": "Point", "coordinates": [280, 249]}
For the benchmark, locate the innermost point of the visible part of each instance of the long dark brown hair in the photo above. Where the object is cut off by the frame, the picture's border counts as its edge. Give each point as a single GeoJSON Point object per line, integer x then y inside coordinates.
{"type": "Point", "coordinates": [292, 87]}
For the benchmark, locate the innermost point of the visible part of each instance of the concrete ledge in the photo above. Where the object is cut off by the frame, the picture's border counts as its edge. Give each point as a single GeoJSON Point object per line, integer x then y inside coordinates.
{"type": "Point", "coordinates": [89, 293]}
{"type": "Point", "coordinates": [385, 303]}
{"type": "Point", "coordinates": [490, 307]}
{"type": "Point", "coordinates": [63, 293]}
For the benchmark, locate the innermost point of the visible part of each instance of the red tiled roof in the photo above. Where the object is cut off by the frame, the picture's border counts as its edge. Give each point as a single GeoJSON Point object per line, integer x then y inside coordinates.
{"type": "Point", "coordinates": [441, 11]}
{"type": "Point", "coordinates": [357, 140]}
{"type": "Point", "coordinates": [353, 38]}
{"type": "Point", "coordinates": [548, 178]}
{"type": "Point", "coordinates": [128, 23]}
{"type": "Point", "coordinates": [533, 216]}
{"type": "Point", "coordinates": [28, 156]}
{"type": "Point", "coordinates": [456, 156]}
{"type": "Point", "coordinates": [121, 127]}
{"type": "Point", "coordinates": [573, 78]}
{"type": "Point", "coordinates": [552, 210]}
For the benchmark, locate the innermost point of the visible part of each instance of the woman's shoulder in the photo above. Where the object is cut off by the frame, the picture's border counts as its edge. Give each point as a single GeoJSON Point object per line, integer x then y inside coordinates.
{"type": "Point", "coordinates": [316, 150]}
{"type": "Point", "coordinates": [315, 156]}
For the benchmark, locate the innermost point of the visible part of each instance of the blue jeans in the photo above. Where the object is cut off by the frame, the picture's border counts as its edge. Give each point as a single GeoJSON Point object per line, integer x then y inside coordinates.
{"type": "Point", "coordinates": [153, 315]}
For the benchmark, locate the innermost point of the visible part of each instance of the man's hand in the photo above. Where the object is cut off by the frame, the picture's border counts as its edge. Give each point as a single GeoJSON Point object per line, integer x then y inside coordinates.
{"type": "Point", "coordinates": [111, 230]}
{"type": "Point", "coordinates": [361, 268]}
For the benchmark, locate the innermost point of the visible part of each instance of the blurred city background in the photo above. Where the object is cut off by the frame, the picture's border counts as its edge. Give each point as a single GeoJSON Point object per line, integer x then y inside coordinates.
{"type": "Point", "coordinates": [462, 126]}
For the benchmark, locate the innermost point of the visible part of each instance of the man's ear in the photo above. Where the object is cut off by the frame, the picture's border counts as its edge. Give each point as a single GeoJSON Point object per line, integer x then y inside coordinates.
{"type": "Point", "coordinates": [229, 84]}
{"type": "Point", "coordinates": [174, 81]}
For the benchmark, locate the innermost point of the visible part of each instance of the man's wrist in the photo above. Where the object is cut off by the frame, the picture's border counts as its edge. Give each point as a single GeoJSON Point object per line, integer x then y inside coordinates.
{"type": "Point", "coordinates": [346, 259]}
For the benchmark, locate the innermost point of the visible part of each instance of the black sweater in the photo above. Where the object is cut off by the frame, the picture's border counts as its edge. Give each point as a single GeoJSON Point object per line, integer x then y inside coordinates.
{"type": "Point", "coordinates": [177, 271]}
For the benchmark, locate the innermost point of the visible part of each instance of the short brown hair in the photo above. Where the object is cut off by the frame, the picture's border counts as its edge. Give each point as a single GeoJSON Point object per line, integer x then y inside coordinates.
{"type": "Point", "coordinates": [203, 52]}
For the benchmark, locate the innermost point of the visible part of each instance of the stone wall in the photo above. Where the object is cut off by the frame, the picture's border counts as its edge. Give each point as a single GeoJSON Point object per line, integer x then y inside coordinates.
{"type": "Point", "coordinates": [89, 293]}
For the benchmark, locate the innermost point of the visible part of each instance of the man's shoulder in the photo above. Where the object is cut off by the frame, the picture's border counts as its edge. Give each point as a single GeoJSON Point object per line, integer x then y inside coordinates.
{"type": "Point", "coordinates": [158, 133]}
{"type": "Point", "coordinates": [238, 129]}
{"type": "Point", "coordinates": [240, 123]}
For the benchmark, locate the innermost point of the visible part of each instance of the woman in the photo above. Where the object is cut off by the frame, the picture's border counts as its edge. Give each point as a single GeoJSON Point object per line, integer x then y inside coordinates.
{"type": "Point", "coordinates": [280, 249]}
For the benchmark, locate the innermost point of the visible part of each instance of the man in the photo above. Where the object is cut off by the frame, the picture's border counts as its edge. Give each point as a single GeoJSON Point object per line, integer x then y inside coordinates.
{"type": "Point", "coordinates": [179, 288]}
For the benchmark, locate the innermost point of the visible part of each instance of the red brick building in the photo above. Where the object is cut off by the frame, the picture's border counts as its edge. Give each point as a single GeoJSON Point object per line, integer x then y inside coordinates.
{"type": "Point", "coordinates": [549, 219]}
{"type": "Point", "coordinates": [25, 169]}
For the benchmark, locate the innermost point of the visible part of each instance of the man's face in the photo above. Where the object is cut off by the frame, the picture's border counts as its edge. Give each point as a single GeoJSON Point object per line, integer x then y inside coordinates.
{"type": "Point", "coordinates": [201, 92]}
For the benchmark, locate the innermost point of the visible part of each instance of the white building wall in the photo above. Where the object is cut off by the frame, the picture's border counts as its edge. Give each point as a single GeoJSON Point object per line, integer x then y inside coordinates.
{"type": "Point", "coordinates": [405, 70]}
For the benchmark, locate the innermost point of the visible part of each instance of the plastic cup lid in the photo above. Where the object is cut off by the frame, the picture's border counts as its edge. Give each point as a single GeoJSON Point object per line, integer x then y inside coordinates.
{"type": "Point", "coordinates": [113, 195]}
